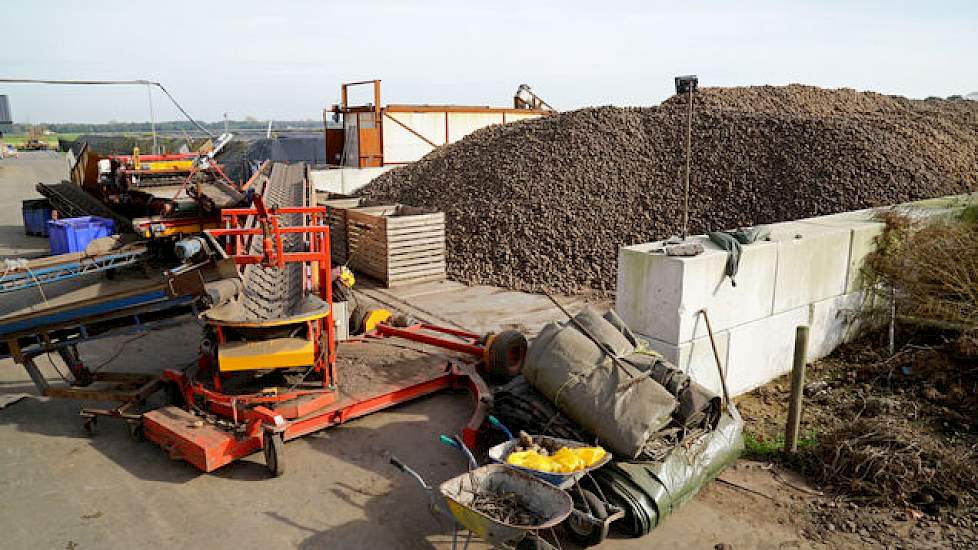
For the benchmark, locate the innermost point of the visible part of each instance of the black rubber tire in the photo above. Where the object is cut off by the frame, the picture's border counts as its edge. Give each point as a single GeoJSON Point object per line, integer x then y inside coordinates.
{"type": "Point", "coordinates": [586, 534]}
{"type": "Point", "coordinates": [505, 358]}
{"type": "Point", "coordinates": [136, 431]}
{"type": "Point", "coordinates": [534, 542]}
{"type": "Point", "coordinates": [273, 451]}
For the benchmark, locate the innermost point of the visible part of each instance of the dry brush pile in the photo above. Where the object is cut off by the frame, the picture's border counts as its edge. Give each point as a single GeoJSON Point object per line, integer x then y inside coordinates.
{"type": "Point", "coordinates": [545, 203]}
{"type": "Point", "coordinates": [911, 434]}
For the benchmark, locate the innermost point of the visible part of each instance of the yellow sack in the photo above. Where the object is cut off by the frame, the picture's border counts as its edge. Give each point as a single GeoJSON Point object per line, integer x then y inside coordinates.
{"type": "Point", "coordinates": [565, 460]}
{"type": "Point", "coordinates": [531, 460]}
{"type": "Point", "coordinates": [590, 455]}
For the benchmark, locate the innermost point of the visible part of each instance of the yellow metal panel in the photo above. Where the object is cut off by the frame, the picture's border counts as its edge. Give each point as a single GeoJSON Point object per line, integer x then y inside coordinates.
{"type": "Point", "coordinates": [165, 165]}
{"type": "Point", "coordinates": [275, 353]}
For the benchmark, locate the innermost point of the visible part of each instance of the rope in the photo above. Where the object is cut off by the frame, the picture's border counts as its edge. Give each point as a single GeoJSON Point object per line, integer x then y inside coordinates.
{"type": "Point", "coordinates": [110, 82]}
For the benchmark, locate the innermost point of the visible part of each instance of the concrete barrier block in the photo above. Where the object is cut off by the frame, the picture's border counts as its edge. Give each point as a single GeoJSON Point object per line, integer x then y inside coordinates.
{"type": "Point", "coordinates": [660, 296]}
{"type": "Point", "coordinates": [812, 267]}
{"type": "Point", "coordinates": [834, 322]}
{"type": "Point", "coordinates": [696, 359]}
{"type": "Point", "coordinates": [863, 229]}
{"type": "Point", "coordinates": [760, 351]}
{"type": "Point", "coordinates": [649, 291]}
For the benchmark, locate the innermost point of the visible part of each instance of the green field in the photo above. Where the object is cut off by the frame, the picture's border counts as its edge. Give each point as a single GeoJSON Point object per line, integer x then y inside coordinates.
{"type": "Point", "coordinates": [52, 140]}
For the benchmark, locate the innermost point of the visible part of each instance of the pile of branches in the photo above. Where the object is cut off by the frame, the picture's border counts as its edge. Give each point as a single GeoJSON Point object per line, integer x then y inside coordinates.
{"type": "Point", "coordinates": [930, 270]}
{"type": "Point", "coordinates": [889, 461]}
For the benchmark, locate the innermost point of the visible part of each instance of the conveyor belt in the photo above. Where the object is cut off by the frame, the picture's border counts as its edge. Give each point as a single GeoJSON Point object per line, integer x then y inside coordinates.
{"type": "Point", "coordinates": [72, 201]}
{"type": "Point", "coordinates": [270, 293]}
{"type": "Point", "coordinates": [29, 273]}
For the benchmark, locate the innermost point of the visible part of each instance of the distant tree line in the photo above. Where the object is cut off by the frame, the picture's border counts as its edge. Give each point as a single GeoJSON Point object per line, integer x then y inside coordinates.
{"type": "Point", "coordinates": [166, 126]}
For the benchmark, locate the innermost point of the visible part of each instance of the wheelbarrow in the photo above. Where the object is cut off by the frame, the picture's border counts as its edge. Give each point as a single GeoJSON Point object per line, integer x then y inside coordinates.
{"type": "Point", "coordinates": [453, 499]}
{"type": "Point", "coordinates": [593, 514]}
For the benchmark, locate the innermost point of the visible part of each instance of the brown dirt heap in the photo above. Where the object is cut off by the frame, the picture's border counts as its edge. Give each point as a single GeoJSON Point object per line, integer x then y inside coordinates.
{"type": "Point", "coordinates": [546, 203]}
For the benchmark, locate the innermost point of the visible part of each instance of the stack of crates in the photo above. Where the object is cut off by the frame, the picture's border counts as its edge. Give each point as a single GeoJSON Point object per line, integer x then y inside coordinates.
{"type": "Point", "coordinates": [37, 213]}
{"type": "Point", "coordinates": [74, 234]}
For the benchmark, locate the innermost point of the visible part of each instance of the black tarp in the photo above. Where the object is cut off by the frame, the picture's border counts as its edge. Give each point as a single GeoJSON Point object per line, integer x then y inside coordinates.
{"type": "Point", "coordinates": [241, 158]}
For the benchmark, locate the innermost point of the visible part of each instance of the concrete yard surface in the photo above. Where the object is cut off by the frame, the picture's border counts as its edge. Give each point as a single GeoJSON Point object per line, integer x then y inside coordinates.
{"type": "Point", "coordinates": [62, 489]}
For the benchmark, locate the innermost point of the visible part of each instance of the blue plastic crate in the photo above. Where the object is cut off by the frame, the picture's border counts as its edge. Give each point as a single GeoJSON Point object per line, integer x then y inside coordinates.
{"type": "Point", "coordinates": [74, 234]}
{"type": "Point", "coordinates": [36, 213]}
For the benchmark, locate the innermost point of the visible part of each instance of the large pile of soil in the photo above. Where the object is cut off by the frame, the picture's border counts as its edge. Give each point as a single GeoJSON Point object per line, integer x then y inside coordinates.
{"type": "Point", "coordinates": [546, 203]}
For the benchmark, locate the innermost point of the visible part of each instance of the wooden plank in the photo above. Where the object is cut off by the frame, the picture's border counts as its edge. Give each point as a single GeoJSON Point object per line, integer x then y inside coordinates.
{"type": "Point", "coordinates": [425, 268]}
{"type": "Point", "coordinates": [424, 260]}
{"type": "Point", "coordinates": [416, 252]}
{"type": "Point", "coordinates": [407, 245]}
{"type": "Point", "coordinates": [376, 212]}
{"type": "Point", "coordinates": [421, 235]}
{"type": "Point", "coordinates": [415, 229]}
{"type": "Point", "coordinates": [382, 259]}
{"type": "Point", "coordinates": [416, 275]}
{"type": "Point", "coordinates": [407, 221]}
{"type": "Point", "coordinates": [341, 204]}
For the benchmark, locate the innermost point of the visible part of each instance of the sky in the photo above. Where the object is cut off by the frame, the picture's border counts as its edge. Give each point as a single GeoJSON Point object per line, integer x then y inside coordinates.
{"type": "Point", "coordinates": [285, 59]}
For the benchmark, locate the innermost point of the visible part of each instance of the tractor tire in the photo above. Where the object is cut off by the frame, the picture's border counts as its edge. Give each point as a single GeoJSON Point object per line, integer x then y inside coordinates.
{"type": "Point", "coordinates": [505, 356]}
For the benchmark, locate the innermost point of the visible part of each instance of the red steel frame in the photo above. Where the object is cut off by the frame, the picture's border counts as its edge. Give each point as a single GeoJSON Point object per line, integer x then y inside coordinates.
{"type": "Point", "coordinates": [299, 413]}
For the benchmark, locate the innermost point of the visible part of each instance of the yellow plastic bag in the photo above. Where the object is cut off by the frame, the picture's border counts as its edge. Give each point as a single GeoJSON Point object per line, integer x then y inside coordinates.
{"type": "Point", "coordinates": [531, 460]}
{"type": "Point", "coordinates": [565, 460]}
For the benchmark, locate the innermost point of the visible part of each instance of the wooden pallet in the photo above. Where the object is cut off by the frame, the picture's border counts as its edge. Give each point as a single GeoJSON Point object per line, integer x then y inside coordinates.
{"type": "Point", "coordinates": [397, 244]}
{"type": "Point", "coordinates": [336, 216]}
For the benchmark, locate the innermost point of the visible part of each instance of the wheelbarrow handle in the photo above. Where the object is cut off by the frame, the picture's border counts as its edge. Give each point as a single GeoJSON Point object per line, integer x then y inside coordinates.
{"type": "Point", "coordinates": [398, 464]}
{"type": "Point", "coordinates": [495, 423]}
{"type": "Point", "coordinates": [457, 443]}
{"type": "Point", "coordinates": [407, 469]}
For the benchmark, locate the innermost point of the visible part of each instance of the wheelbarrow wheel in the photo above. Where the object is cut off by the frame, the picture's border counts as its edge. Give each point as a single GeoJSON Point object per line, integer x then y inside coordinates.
{"type": "Point", "coordinates": [505, 357]}
{"type": "Point", "coordinates": [583, 532]}
{"type": "Point", "coordinates": [273, 451]}
{"type": "Point", "coordinates": [534, 542]}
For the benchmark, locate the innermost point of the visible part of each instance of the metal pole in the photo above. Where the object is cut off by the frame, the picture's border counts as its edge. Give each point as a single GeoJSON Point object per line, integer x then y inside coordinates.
{"type": "Point", "coordinates": [891, 347]}
{"type": "Point", "coordinates": [716, 356]}
{"type": "Point", "coordinates": [152, 118]}
{"type": "Point", "coordinates": [689, 139]}
{"type": "Point", "coordinates": [797, 387]}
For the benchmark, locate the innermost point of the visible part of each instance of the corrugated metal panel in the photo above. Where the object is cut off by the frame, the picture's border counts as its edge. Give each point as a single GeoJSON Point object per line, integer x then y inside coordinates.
{"type": "Point", "coordinates": [408, 136]}
{"type": "Point", "coordinates": [5, 116]}
{"type": "Point", "coordinates": [403, 145]}
{"type": "Point", "coordinates": [463, 124]}
{"type": "Point", "coordinates": [513, 117]}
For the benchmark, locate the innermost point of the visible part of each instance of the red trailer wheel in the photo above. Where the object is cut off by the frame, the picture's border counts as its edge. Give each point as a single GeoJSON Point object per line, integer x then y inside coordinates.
{"type": "Point", "coordinates": [505, 355]}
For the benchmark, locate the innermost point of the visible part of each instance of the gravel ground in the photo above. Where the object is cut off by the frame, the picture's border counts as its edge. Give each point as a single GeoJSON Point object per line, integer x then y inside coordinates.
{"type": "Point", "coordinates": [546, 203]}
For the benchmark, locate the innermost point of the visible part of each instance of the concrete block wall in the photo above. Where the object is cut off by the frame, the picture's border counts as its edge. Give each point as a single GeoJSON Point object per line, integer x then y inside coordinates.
{"type": "Point", "coordinates": [344, 180]}
{"type": "Point", "coordinates": [807, 273]}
